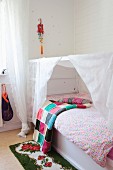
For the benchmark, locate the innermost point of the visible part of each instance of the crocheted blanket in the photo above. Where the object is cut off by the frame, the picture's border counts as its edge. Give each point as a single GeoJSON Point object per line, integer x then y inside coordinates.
{"type": "Point", "coordinates": [45, 120]}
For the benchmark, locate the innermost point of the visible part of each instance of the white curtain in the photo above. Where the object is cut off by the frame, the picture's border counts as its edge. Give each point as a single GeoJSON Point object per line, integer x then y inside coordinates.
{"type": "Point", "coordinates": [2, 40]}
{"type": "Point", "coordinates": [44, 71]}
{"type": "Point", "coordinates": [16, 39]}
{"type": "Point", "coordinates": [96, 70]}
{"type": "Point", "coordinates": [2, 50]}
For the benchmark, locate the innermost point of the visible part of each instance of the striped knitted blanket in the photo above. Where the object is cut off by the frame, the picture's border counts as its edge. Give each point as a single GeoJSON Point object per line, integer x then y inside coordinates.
{"type": "Point", "coordinates": [45, 120]}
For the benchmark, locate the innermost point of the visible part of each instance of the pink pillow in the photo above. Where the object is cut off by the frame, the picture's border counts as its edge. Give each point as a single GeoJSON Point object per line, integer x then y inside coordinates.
{"type": "Point", "coordinates": [57, 97]}
{"type": "Point", "coordinates": [75, 100]}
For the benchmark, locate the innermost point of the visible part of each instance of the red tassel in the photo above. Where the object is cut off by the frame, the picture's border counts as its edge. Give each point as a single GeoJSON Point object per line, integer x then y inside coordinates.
{"type": "Point", "coordinates": [41, 49]}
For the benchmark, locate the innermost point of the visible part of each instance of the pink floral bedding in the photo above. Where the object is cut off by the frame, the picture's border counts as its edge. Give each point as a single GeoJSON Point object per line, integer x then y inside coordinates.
{"type": "Point", "coordinates": [87, 129]}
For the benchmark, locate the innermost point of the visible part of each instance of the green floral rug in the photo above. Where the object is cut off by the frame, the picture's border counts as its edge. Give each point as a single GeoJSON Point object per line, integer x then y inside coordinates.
{"type": "Point", "coordinates": [31, 158]}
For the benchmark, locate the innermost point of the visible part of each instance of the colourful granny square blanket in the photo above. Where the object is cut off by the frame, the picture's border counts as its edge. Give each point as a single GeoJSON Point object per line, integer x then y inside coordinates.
{"type": "Point", "coordinates": [45, 120]}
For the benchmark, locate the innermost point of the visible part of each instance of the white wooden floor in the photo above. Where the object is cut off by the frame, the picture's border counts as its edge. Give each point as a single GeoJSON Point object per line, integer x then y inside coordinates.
{"type": "Point", "coordinates": [7, 159]}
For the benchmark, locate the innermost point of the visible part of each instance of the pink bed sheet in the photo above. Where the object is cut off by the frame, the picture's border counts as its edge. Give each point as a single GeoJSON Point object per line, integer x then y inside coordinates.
{"type": "Point", "coordinates": [88, 130]}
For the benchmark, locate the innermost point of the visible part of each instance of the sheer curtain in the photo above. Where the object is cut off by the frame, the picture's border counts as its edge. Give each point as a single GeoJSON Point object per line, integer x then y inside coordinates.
{"type": "Point", "coordinates": [16, 47]}
{"type": "Point", "coordinates": [1, 52]}
{"type": "Point", "coordinates": [43, 68]}
{"type": "Point", "coordinates": [96, 70]}
{"type": "Point", "coordinates": [2, 40]}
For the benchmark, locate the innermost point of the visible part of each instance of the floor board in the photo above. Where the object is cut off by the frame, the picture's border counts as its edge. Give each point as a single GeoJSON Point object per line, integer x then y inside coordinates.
{"type": "Point", "coordinates": [7, 159]}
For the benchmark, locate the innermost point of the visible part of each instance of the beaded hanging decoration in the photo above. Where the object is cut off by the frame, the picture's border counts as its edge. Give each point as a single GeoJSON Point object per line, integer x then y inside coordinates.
{"type": "Point", "coordinates": [40, 31]}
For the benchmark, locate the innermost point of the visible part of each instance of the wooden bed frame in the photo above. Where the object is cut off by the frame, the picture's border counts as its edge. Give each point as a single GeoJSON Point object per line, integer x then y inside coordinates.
{"type": "Point", "coordinates": [76, 156]}
{"type": "Point", "coordinates": [65, 78]}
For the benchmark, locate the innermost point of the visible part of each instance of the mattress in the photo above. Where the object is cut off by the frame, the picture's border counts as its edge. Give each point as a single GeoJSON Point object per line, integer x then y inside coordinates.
{"type": "Point", "coordinates": [88, 130]}
{"type": "Point", "coordinates": [84, 116]}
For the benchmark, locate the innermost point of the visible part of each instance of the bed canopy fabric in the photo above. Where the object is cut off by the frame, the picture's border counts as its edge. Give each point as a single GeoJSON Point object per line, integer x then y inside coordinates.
{"type": "Point", "coordinates": [96, 70]}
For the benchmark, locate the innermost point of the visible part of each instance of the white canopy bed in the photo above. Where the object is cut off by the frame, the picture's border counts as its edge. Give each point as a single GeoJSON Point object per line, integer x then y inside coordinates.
{"type": "Point", "coordinates": [96, 70]}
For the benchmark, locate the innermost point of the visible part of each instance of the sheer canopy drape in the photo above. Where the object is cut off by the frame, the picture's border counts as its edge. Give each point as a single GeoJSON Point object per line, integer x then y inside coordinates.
{"type": "Point", "coordinates": [43, 73]}
{"type": "Point", "coordinates": [96, 70]}
{"type": "Point", "coordinates": [16, 47]}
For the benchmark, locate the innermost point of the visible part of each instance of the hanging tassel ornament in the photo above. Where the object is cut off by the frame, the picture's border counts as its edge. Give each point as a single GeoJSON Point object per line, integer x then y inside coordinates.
{"type": "Point", "coordinates": [41, 49]}
{"type": "Point", "coordinates": [40, 32]}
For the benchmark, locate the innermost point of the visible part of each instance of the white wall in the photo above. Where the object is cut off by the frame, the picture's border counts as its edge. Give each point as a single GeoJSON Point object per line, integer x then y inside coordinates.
{"type": "Point", "coordinates": [58, 20]}
{"type": "Point", "coordinates": [71, 26]}
{"type": "Point", "coordinates": [14, 123]}
{"type": "Point", "coordinates": [93, 26]}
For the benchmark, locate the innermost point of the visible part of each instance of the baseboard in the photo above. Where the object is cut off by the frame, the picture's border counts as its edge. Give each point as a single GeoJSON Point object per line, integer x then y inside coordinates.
{"type": "Point", "coordinates": [10, 126]}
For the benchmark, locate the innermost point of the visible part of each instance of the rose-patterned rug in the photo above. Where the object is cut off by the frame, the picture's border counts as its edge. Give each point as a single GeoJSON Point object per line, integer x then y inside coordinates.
{"type": "Point", "coordinates": [31, 158]}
